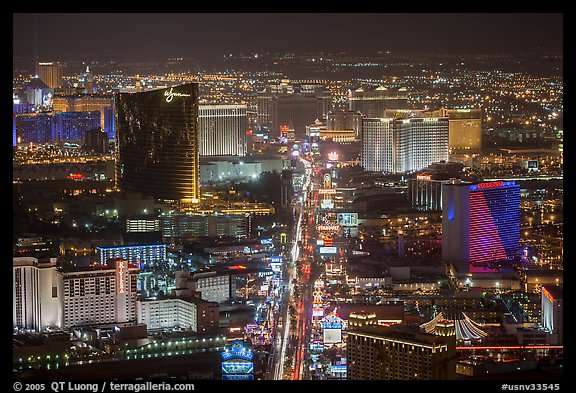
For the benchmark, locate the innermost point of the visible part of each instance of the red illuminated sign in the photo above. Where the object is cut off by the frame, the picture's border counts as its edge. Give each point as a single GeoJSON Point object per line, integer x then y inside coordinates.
{"type": "Point", "coordinates": [120, 266]}
{"type": "Point", "coordinates": [76, 176]}
{"type": "Point", "coordinates": [491, 184]}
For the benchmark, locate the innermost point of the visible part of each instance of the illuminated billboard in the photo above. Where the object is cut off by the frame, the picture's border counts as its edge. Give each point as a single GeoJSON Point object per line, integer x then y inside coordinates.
{"type": "Point", "coordinates": [328, 250]}
{"type": "Point", "coordinates": [332, 326]}
{"type": "Point", "coordinates": [332, 336]}
{"type": "Point", "coordinates": [327, 180]}
{"type": "Point", "coordinates": [242, 377]}
{"type": "Point", "coordinates": [347, 219]}
{"type": "Point", "coordinates": [337, 369]}
{"type": "Point", "coordinates": [276, 263]}
{"type": "Point", "coordinates": [237, 362]}
{"type": "Point", "coordinates": [237, 351]}
{"type": "Point", "coordinates": [328, 228]}
{"type": "Point", "coordinates": [532, 165]}
{"type": "Point", "coordinates": [327, 204]}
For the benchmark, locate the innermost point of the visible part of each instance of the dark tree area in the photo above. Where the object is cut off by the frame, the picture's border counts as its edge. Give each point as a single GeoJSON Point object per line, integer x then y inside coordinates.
{"type": "Point", "coordinates": [496, 141]}
{"type": "Point", "coordinates": [265, 189]}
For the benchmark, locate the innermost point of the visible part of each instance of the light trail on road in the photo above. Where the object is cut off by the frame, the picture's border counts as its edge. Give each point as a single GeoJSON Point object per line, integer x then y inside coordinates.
{"type": "Point", "coordinates": [279, 367]}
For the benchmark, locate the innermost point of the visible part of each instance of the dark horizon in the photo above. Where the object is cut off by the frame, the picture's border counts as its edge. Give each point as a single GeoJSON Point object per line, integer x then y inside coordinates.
{"type": "Point", "coordinates": [149, 35]}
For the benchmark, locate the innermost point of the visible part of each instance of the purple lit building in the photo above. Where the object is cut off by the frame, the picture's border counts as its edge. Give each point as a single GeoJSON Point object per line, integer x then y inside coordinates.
{"type": "Point", "coordinates": [480, 223]}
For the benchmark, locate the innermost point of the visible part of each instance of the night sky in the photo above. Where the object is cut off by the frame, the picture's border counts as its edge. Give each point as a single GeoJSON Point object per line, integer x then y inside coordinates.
{"type": "Point", "coordinates": [149, 35]}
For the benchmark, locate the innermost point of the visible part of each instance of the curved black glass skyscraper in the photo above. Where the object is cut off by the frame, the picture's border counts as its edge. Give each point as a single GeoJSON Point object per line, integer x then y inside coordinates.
{"type": "Point", "coordinates": [157, 143]}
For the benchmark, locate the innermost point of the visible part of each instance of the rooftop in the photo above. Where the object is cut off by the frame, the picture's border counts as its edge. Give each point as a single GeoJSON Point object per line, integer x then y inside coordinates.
{"type": "Point", "coordinates": [406, 333]}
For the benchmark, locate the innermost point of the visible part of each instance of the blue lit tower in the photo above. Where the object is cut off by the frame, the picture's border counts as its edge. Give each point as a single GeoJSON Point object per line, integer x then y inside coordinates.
{"type": "Point", "coordinates": [480, 223]}
{"type": "Point", "coordinates": [109, 124]}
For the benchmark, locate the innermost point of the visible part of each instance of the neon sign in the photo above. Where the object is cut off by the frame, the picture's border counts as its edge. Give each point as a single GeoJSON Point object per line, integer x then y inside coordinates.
{"type": "Point", "coordinates": [327, 191]}
{"type": "Point", "coordinates": [238, 351]}
{"type": "Point", "coordinates": [332, 321]}
{"type": "Point", "coordinates": [491, 184]}
{"type": "Point", "coordinates": [328, 227]}
{"type": "Point", "coordinates": [120, 272]}
{"type": "Point", "coordinates": [423, 177]}
{"type": "Point", "coordinates": [171, 94]}
{"type": "Point", "coordinates": [328, 250]}
{"type": "Point", "coordinates": [76, 176]}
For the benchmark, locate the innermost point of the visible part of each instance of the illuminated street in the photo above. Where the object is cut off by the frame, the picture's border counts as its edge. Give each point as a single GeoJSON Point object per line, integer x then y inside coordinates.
{"type": "Point", "coordinates": [287, 196]}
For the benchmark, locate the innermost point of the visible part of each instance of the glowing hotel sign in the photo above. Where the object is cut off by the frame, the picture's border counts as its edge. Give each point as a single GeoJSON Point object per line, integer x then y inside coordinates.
{"type": "Point", "coordinates": [491, 184]}
{"type": "Point", "coordinates": [171, 94]}
{"type": "Point", "coordinates": [237, 351]}
{"type": "Point", "coordinates": [120, 267]}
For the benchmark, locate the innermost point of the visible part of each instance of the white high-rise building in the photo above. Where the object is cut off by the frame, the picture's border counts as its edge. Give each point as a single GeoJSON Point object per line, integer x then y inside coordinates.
{"type": "Point", "coordinates": [166, 313]}
{"type": "Point", "coordinates": [101, 295]}
{"type": "Point", "coordinates": [223, 130]}
{"type": "Point", "coordinates": [51, 73]}
{"type": "Point", "coordinates": [377, 147]}
{"type": "Point", "coordinates": [406, 144]}
{"type": "Point", "coordinates": [553, 313]}
{"type": "Point", "coordinates": [37, 294]}
{"type": "Point", "coordinates": [45, 297]}
{"type": "Point", "coordinates": [213, 286]}
{"type": "Point", "coordinates": [191, 313]}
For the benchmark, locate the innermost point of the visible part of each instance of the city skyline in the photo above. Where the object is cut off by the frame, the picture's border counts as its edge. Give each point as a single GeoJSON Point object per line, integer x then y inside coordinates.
{"type": "Point", "coordinates": [148, 35]}
{"type": "Point", "coordinates": [298, 196]}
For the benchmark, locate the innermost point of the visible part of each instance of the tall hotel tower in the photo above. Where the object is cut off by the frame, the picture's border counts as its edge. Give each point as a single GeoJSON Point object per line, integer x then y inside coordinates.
{"type": "Point", "coordinates": [292, 105]}
{"type": "Point", "coordinates": [51, 74]}
{"type": "Point", "coordinates": [223, 130]}
{"type": "Point", "coordinates": [373, 101]}
{"type": "Point", "coordinates": [37, 294]}
{"type": "Point", "coordinates": [480, 223]}
{"type": "Point", "coordinates": [398, 145]}
{"type": "Point", "coordinates": [157, 147]}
